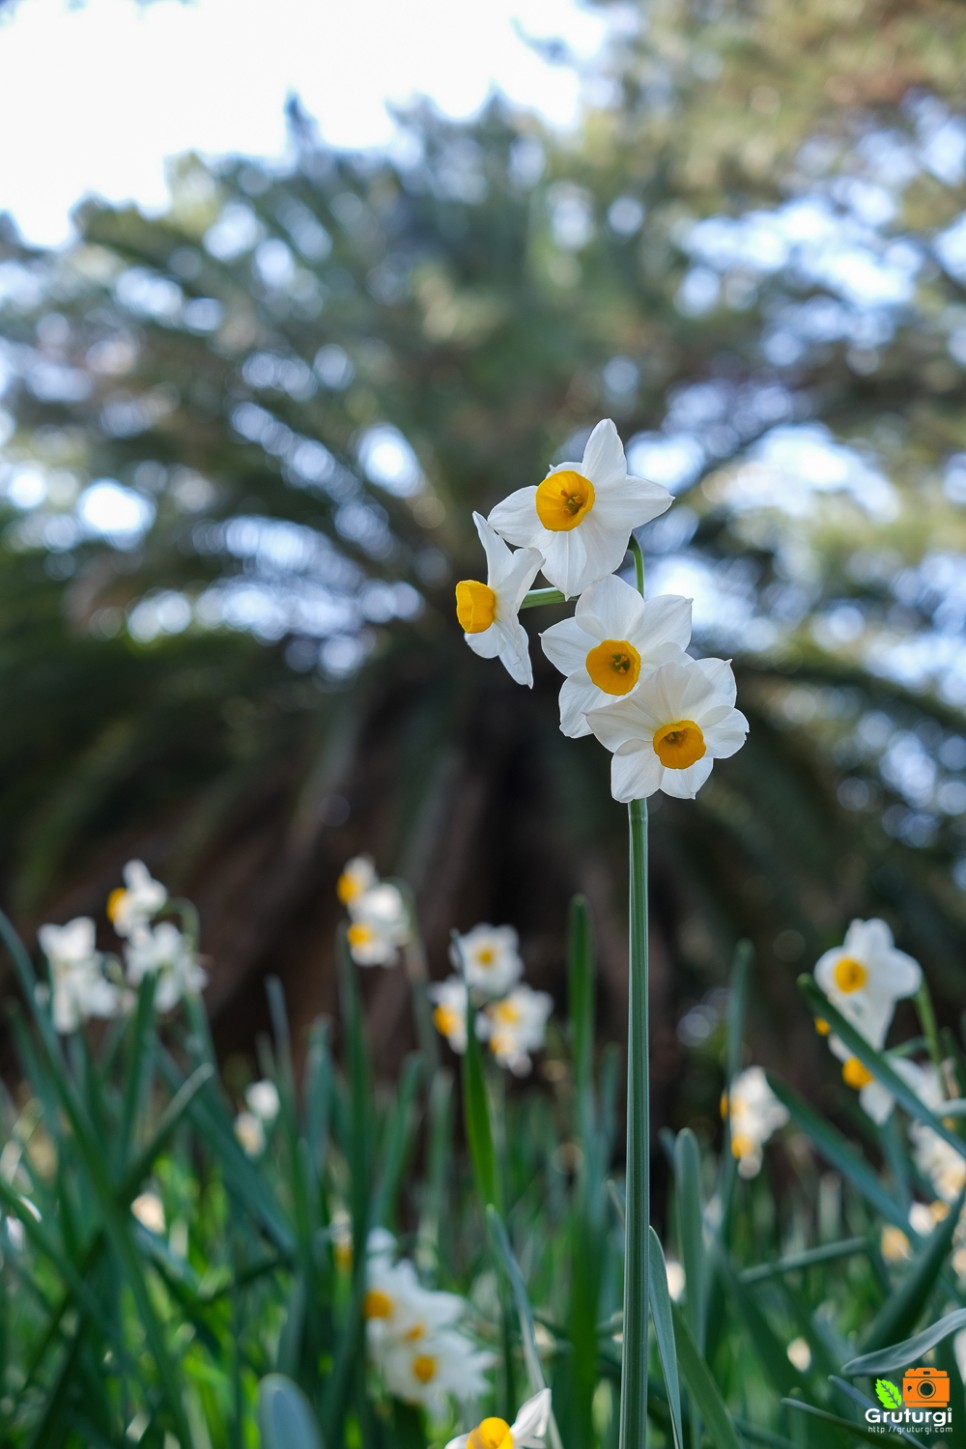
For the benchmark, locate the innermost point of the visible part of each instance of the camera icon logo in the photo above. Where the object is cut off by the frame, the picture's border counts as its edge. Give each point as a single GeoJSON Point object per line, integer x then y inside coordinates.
{"type": "Point", "coordinates": [925, 1388]}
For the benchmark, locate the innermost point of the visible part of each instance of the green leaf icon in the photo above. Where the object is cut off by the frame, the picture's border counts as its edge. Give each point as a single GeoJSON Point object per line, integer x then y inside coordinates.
{"type": "Point", "coordinates": [887, 1393]}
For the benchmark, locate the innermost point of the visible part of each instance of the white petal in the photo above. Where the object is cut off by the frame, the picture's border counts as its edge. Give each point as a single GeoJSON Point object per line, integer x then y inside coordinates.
{"type": "Point", "coordinates": [726, 738]}
{"type": "Point", "coordinates": [666, 620]}
{"type": "Point", "coordinates": [611, 609]}
{"type": "Point", "coordinates": [825, 969]}
{"type": "Point", "coordinates": [567, 645]}
{"type": "Point", "coordinates": [876, 1101]}
{"type": "Point", "coordinates": [621, 723]}
{"type": "Point", "coordinates": [498, 556]}
{"type": "Point", "coordinates": [631, 504]}
{"type": "Point", "coordinates": [460, 1442]}
{"type": "Point", "coordinates": [603, 461]}
{"type": "Point", "coordinates": [711, 682]}
{"type": "Point", "coordinates": [514, 650]}
{"type": "Point", "coordinates": [516, 519]}
{"type": "Point", "coordinates": [577, 696]}
{"type": "Point", "coordinates": [898, 974]}
{"type": "Point", "coordinates": [530, 1425]}
{"type": "Point", "coordinates": [685, 784]}
{"type": "Point", "coordinates": [579, 557]}
{"type": "Point", "coordinates": [635, 774]}
{"type": "Point", "coordinates": [518, 573]}
{"type": "Point", "coordinates": [487, 643]}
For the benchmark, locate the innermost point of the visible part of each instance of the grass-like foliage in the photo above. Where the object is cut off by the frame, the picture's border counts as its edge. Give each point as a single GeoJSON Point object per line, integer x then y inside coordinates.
{"type": "Point", "coordinates": [183, 1269]}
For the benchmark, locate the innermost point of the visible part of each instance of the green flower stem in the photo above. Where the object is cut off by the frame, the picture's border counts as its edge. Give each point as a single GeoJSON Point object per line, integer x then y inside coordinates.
{"type": "Point", "coordinates": [543, 596]}
{"type": "Point", "coordinates": [638, 558]}
{"type": "Point", "coordinates": [633, 1416]}
{"type": "Point", "coordinates": [930, 1029]}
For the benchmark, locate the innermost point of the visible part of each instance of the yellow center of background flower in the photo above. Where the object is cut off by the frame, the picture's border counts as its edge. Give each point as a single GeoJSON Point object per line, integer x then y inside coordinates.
{"type": "Point", "coordinates": [850, 975]}
{"type": "Point", "coordinates": [377, 1304]}
{"type": "Point", "coordinates": [822, 1026]}
{"type": "Point", "coordinates": [491, 1434]}
{"type": "Point", "coordinates": [505, 1012]}
{"type": "Point", "coordinates": [115, 903]}
{"type": "Point", "coordinates": [614, 666]}
{"type": "Point", "coordinates": [445, 1020]}
{"type": "Point", "coordinates": [414, 1334]}
{"type": "Point", "coordinates": [680, 744]}
{"type": "Point", "coordinates": [475, 606]}
{"type": "Point", "coordinates": [424, 1367]}
{"type": "Point", "coordinates": [742, 1146]}
{"type": "Point", "coordinates": [484, 956]}
{"type": "Point", "coordinates": [360, 935]}
{"type": "Point", "coordinates": [854, 1074]}
{"type": "Point", "coordinates": [564, 500]}
{"type": "Point", "coordinates": [348, 887]}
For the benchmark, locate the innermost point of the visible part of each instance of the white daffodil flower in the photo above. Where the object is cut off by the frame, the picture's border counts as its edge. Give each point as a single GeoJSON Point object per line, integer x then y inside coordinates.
{"type": "Point", "coordinates": [397, 1308]}
{"type": "Point", "coordinates": [250, 1133]}
{"type": "Point", "coordinates": [380, 926]}
{"type": "Point", "coordinates": [528, 1430]}
{"type": "Point", "coordinates": [866, 976]}
{"type": "Point", "coordinates": [449, 1012]}
{"type": "Point", "coordinates": [261, 1098]}
{"type": "Point", "coordinates": [613, 638]}
{"type": "Point", "coordinates": [132, 905]}
{"type": "Point", "coordinates": [515, 1027]}
{"type": "Point", "coordinates": [668, 733]}
{"type": "Point", "coordinates": [426, 1372]}
{"type": "Point", "coordinates": [875, 1099]}
{"type": "Point", "coordinates": [79, 989]}
{"type": "Point", "coordinates": [754, 1113]}
{"type": "Point", "coordinates": [489, 613]}
{"type": "Point", "coordinates": [490, 957]}
{"type": "Point", "coordinates": [163, 951]}
{"type": "Point", "coordinates": [581, 517]}
{"type": "Point", "coordinates": [358, 876]}
{"type": "Point", "coordinates": [935, 1158]}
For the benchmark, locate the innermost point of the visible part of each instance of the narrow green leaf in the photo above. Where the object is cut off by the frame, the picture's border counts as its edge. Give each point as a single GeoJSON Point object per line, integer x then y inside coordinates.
{"type": "Point", "coordinates": [690, 1224]}
{"type": "Point", "coordinates": [702, 1387]}
{"type": "Point", "coordinates": [285, 1418]}
{"type": "Point", "coordinates": [899, 1355]}
{"type": "Point", "coordinates": [664, 1332]}
{"type": "Point", "coordinates": [840, 1153]}
{"type": "Point", "coordinates": [476, 1111]}
{"type": "Point", "coordinates": [903, 1307]}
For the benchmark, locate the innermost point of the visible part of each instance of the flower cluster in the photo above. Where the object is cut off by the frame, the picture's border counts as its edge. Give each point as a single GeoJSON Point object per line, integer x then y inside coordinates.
{"type": "Point", "coordinates": [754, 1113]}
{"type": "Point", "coordinates": [253, 1122]}
{"type": "Point", "coordinates": [379, 919]}
{"type": "Point", "coordinates": [664, 716]}
{"type": "Point", "coordinates": [87, 983]}
{"type": "Point", "coordinates": [864, 978]}
{"type": "Point", "coordinates": [510, 1017]}
{"type": "Point", "coordinates": [413, 1337]}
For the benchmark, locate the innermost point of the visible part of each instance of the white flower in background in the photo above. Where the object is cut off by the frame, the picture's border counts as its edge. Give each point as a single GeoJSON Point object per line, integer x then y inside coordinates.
{"type": "Point", "coordinates": [426, 1372]}
{"type": "Point", "coordinates": [490, 956]}
{"type": "Point", "coordinates": [866, 976]}
{"type": "Point", "coordinates": [358, 876]}
{"type": "Point", "coordinates": [488, 613]}
{"type": "Point", "coordinates": [449, 1012]}
{"type": "Point", "coordinates": [614, 636]}
{"type": "Point", "coordinates": [79, 989]}
{"type": "Point", "coordinates": [132, 905]}
{"type": "Point", "coordinates": [515, 1027]}
{"type": "Point", "coordinates": [528, 1430]}
{"type": "Point", "coordinates": [668, 733]}
{"type": "Point", "coordinates": [163, 951]}
{"type": "Point", "coordinates": [754, 1113]}
{"type": "Point", "coordinates": [875, 1099]}
{"type": "Point", "coordinates": [380, 926]}
{"type": "Point", "coordinates": [250, 1133]}
{"type": "Point", "coordinates": [149, 1211]}
{"type": "Point", "coordinates": [261, 1099]}
{"type": "Point", "coordinates": [936, 1159]}
{"type": "Point", "coordinates": [581, 516]}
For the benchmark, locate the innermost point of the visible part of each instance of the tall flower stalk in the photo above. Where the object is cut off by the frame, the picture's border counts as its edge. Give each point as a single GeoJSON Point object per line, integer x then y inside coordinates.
{"type": "Point", "coordinates": [633, 1420]}
{"type": "Point", "coordinates": [664, 716]}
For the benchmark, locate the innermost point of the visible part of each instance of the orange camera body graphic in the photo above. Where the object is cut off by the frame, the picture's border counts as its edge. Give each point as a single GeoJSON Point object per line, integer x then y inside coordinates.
{"type": "Point", "coordinates": [926, 1388]}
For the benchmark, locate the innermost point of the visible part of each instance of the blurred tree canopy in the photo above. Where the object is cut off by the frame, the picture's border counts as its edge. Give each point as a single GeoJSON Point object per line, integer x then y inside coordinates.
{"type": "Point", "coordinates": [245, 439]}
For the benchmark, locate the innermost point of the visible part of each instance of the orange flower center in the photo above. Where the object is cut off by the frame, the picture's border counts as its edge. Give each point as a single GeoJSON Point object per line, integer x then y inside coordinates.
{"type": "Point", "coordinates": [854, 1074]}
{"type": "Point", "coordinates": [377, 1304]}
{"type": "Point", "coordinates": [491, 1434]}
{"type": "Point", "coordinates": [680, 744]}
{"type": "Point", "coordinates": [475, 606]}
{"type": "Point", "coordinates": [424, 1367]}
{"type": "Point", "coordinates": [564, 500]}
{"type": "Point", "coordinates": [614, 666]}
{"type": "Point", "coordinates": [849, 974]}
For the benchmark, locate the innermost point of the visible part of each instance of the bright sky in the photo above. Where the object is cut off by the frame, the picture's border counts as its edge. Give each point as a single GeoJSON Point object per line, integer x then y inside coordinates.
{"type": "Point", "coordinates": [94, 98]}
